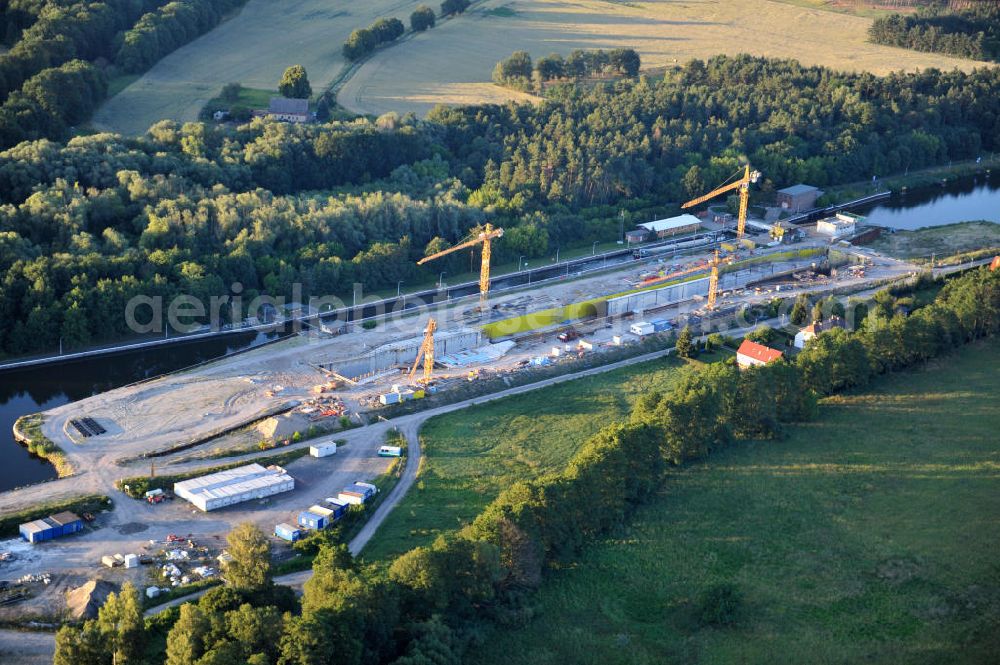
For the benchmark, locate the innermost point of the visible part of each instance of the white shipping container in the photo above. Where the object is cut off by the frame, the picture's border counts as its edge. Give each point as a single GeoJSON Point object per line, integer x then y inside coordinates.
{"type": "Point", "coordinates": [641, 328]}
{"type": "Point", "coordinates": [355, 498]}
{"type": "Point", "coordinates": [131, 561]}
{"type": "Point", "coordinates": [323, 449]}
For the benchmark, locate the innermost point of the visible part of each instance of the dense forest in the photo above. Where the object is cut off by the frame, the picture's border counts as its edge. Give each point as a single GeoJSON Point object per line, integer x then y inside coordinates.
{"type": "Point", "coordinates": [193, 208]}
{"type": "Point", "coordinates": [73, 43]}
{"type": "Point", "coordinates": [967, 30]}
{"type": "Point", "coordinates": [432, 602]}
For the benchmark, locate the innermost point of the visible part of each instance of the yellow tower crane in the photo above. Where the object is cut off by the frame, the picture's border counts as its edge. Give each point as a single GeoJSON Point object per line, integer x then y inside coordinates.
{"type": "Point", "coordinates": [713, 281]}
{"type": "Point", "coordinates": [426, 353]}
{"type": "Point", "coordinates": [486, 236]}
{"type": "Point", "coordinates": [743, 184]}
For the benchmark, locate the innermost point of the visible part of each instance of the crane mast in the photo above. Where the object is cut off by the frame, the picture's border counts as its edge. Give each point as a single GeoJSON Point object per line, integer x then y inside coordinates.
{"type": "Point", "coordinates": [743, 185]}
{"type": "Point", "coordinates": [484, 237]}
{"type": "Point", "coordinates": [713, 281]}
{"type": "Point", "coordinates": [426, 353]}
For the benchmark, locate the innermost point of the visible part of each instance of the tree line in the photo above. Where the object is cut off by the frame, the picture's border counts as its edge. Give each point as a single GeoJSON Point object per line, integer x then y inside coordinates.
{"type": "Point", "coordinates": [363, 41]}
{"type": "Point", "coordinates": [433, 601]}
{"type": "Point", "coordinates": [517, 70]}
{"type": "Point", "coordinates": [969, 30]}
{"type": "Point", "coordinates": [166, 29]}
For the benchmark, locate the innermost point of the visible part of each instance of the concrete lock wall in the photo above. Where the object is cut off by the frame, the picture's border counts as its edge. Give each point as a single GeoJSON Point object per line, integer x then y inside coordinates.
{"type": "Point", "coordinates": [405, 352]}
{"type": "Point", "coordinates": [669, 295]}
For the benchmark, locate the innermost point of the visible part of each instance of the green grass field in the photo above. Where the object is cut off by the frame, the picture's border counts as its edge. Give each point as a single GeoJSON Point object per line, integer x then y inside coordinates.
{"type": "Point", "coordinates": [869, 535]}
{"type": "Point", "coordinates": [471, 455]}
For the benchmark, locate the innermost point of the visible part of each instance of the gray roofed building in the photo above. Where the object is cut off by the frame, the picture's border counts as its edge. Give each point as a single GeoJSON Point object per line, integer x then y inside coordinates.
{"type": "Point", "coordinates": [289, 110]}
{"type": "Point", "coordinates": [798, 197]}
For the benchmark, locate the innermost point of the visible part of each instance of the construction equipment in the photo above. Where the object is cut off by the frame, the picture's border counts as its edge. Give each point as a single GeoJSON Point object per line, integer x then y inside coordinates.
{"type": "Point", "coordinates": [426, 353]}
{"type": "Point", "coordinates": [743, 184]}
{"type": "Point", "coordinates": [713, 281]}
{"type": "Point", "coordinates": [486, 236]}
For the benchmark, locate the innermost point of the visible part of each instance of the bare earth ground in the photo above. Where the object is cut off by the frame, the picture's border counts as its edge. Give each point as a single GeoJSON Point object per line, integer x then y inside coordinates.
{"type": "Point", "coordinates": [940, 240]}
{"type": "Point", "coordinates": [452, 63]}
{"type": "Point", "coordinates": [253, 48]}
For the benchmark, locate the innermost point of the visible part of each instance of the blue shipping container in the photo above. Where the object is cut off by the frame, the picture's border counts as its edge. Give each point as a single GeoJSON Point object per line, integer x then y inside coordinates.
{"type": "Point", "coordinates": [660, 325]}
{"type": "Point", "coordinates": [287, 532]}
{"type": "Point", "coordinates": [312, 520]}
{"type": "Point", "coordinates": [367, 491]}
{"type": "Point", "coordinates": [338, 509]}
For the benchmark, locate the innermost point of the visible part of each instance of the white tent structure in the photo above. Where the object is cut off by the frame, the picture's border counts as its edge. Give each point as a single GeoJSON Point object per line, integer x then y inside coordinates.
{"type": "Point", "coordinates": [233, 486]}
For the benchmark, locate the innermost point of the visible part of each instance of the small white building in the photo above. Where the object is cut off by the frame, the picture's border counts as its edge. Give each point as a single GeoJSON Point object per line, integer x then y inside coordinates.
{"type": "Point", "coordinates": [233, 486]}
{"type": "Point", "coordinates": [813, 329]}
{"type": "Point", "coordinates": [751, 354]}
{"type": "Point", "coordinates": [641, 328]}
{"type": "Point", "coordinates": [323, 449]}
{"type": "Point", "coordinates": [838, 226]}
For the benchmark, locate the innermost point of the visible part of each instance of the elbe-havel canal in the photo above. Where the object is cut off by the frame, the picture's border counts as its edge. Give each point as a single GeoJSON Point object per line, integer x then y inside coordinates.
{"type": "Point", "coordinates": [38, 389]}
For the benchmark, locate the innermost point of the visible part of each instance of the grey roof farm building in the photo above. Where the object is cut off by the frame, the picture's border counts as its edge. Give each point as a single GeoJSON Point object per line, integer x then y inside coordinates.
{"type": "Point", "coordinates": [798, 197]}
{"type": "Point", "coordinates": [289, 110]}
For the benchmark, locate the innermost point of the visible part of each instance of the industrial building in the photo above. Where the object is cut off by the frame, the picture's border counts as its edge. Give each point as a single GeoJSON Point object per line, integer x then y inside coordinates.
{"type": "Point", "coordinates": [233, 486]}
{"type": "Point", "coordinates": [751, 354]}
{"type": "Point", "coordinates": [664, 228]}
{"type": "Point", "coordinates": [842, 224]}
{"type": "Point", "coordinates": [54, 526]}
{"type": "Point", "coordinates": [798, 198]}
{"type": "Point", "coordinates": [636, 236]}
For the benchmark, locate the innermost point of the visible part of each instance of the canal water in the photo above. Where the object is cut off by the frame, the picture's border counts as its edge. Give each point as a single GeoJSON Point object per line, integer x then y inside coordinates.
{"type": "Point", "coordinates": [960, 201]}
{"type": "Point", "coordinates": [34, 390]}
{"type": "Point", "coordinates": [48, 386]}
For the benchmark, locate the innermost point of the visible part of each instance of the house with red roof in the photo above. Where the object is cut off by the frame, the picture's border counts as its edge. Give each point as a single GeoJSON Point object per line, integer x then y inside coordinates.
{"type": "Point", "coordinates": [751, 353]}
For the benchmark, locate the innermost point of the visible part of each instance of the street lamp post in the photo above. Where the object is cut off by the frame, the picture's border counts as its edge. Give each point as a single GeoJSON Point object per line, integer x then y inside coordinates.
{"type": "Point", "coordinates": [593, 250]}
{"type": "Point", "coordinates": [441, 279]}
{"type": "Point", "coordinates": [519, 259]}
{"type": "Point", "coordinates": [399, 285]}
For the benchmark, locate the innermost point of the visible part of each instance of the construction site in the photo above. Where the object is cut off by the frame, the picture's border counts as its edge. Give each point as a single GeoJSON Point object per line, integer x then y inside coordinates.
{"type": "Point", "coordinates": [334, 389]}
